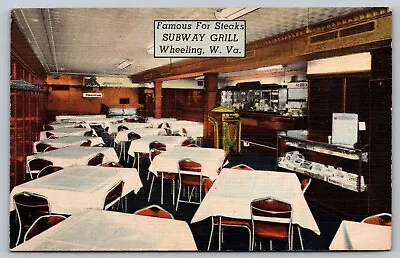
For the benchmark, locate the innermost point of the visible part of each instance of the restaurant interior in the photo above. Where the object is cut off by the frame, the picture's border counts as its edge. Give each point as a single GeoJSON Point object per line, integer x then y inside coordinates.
{"type": "Point", "coordinates": [286, 149]}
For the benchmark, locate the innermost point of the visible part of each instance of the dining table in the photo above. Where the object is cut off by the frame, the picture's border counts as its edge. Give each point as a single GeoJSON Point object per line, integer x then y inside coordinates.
{"type": "Point", "coordinates": [75, 155]}
{"type": "Point", "coordinates": [234, 190]}
{"type": "Point", "coordinates": [353, 235]}
{"type": "Point", "coordinates": [68, 141]}
{"type": "Point", "coordinates": [210, 159]}
{"type": "Point", "coordinates": [95, 230]}
{"type": "Point", "coordinates": [66, 131]}
{"type": "Point", "coordinates": [79, 187]}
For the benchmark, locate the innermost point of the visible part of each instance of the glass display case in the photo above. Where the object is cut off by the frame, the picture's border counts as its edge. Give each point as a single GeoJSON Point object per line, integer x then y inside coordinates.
{"type": "Point", "coordinates": [338, 165]}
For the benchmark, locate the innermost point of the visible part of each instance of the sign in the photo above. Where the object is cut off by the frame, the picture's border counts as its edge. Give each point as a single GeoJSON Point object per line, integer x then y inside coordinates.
{"type": "Point", "coordinates": [344, 129]}
{"type": "Point", "coordinates": [184, 38]}
{"type": "Point", "coordinates": [92, 95]}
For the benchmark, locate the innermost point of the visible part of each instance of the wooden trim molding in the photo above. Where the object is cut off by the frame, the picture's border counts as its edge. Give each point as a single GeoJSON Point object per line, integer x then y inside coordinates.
{"type": "Point", "coordinates": [289, 47]}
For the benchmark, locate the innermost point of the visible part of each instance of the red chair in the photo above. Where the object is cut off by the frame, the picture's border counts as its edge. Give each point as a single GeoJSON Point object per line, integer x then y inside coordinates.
{"type": "Point", "coordinates": [114, 195]}
{"type": "Point", "coordinates": [37, 164]}
{"type": "Point", "coordinates": [163, 176]}
{"type": "Point", "coordinates": [48, 170]}
{"type": "Point", "coordinates": [89, 133]}
{"type": "Point", "coordinates": [40, 147]}
{"type": "Point", "coordinates": [154, 211]}
{"type": "Point", "coordinates": [187, 165]}
{"type": "Point", "coordinates": [186, 142]}
{"type": "Point", "coordinates": [42, 224]}
{"type": "Point", "coordinates": [242, 167]}
{"type": "Point", "coordinates": [224, 221]}
{"type": "Point", "coordinates": [383, 219]}
{"type": "Point", "coordinates": [50, 135]}
{"type": "Point", "coordinates": [29, 207]}
{"type": "Point", "coordinates": [86, 143]}
{"type": "Point", "coordinates": [96, 160]}
{"type": "Point", "coordinates": [304, 184]}
{"type": "Point", "coordinates": [271, 219]}
{"type": "Point", "coordinates": [48, 127]}
{"type": "Point", "coordinates": [50, 148]}
{"type": "Point", "coordinates": [132, 136]}
{"type": "Point", "coordinates": [112, 165]}
{"type": "Point", "coordinates": [122, 128]}
{"type": "Point", "coordinates": [158, 146]}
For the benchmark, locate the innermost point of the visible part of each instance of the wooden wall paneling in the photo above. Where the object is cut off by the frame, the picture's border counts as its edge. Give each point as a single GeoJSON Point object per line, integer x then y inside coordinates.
{"type": "Point", "coordinates": [380, 146]}
{"type": "Point", "coordinates": [325, 97]}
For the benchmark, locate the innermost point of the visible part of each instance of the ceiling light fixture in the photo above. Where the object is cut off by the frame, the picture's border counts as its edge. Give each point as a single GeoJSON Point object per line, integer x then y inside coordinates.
{"type": "Point", "coordinates": [270, 68]}
{"type": "Point", "coordinates": [232, 13]}
{"type": "Point", "coordinates": [124, 64]}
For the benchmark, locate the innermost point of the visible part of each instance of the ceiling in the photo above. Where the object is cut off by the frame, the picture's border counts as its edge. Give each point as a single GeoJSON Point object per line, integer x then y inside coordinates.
{"type": "Point", "coordinates": [94, 41]}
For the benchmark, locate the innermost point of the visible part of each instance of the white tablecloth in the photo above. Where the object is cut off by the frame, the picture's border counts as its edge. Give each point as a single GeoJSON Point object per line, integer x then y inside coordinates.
{"type": "Point", "coordinates": [68, 141]}
{"type": "Point", "coordinates": [79, 117]}
{"type": "Point", "coordinates": [157, 121]}
{"type": "Point", "coordinates": [75, 155]}
{"type": "Point", "coordinates": [233, 191]}
{"type": "Point", "coordinates": [113, 128]}
{"type": "Point", "coordinates": [57, 125]}
{"type": "Point", "coordinates": [353, 235]}
{"type": "Point", "coordinates": [61, 132]}
{"type": "Point", "coordinates": [210, 160]}
{"type": "Point", "coordinates": [94, 230]}
{"type": "Point", "coordinates": [123, 135]}
{"type": "Point", "coordinates": [78, 187]}
{"type": "Point", "coordinates": [142, 144]}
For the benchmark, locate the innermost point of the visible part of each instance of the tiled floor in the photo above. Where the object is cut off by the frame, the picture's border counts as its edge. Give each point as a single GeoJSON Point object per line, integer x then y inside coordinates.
{"type": "Point", "coordinates": [234, 239]}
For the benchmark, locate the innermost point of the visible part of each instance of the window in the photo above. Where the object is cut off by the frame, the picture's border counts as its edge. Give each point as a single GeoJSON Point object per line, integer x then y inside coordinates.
{"type": "Point", "coordinates": [124, 101]}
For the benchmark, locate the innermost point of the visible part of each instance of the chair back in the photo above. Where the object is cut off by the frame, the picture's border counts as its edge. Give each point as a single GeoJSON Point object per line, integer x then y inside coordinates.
{"type": "Point", "coordinates": [154, 211]}
{"type": "Point", "coordinates": [163, 125]}
{"type": "Point", "coordinates": [40, 147]}
{"type": "Point", "coordinates": [38, 164]}
{"type": "Point", "coordinates": [112, 165]}
{"type": "Point", "coordinates": [48, 127]}
{"type": "Point", "coordinates": [48, 170]}
{"type": "Point", "coordinates": [113, 195]}
{"type": "Point", "coordinates": [48, 135]}
{"type": "Point", "coordinates": [42, 224]}
{"type": "Point", "coordinates": [270, 207]}
{"type": "Point", "coordinates": [122, 128]}
{"type": "Point", "coordinates": [383, 219]}
{"type": "Point", "coordinates": [207, 184]}
{"type": "Point", "coordinates": [88, 133]}
{"type": "Point", "coordinates": [193, 145]}
{"type": "Point", "coordinates": [184, 132]}
{"type": "Point", "coordinates": [168, 131]}
{"type": "Point", "coordinates": [50, 148]}
{"type": "Point", "coordinates": [305, 183]}
{"type": "Point", "coordinates": [157, 145]}
{"type": "Point", "coordinates": [86, 143]}
{"type": "Point", "coordinates": [186, 142]}
{"type": "Point", "coordinates": [242, 167]}
{"type": "Point", "coordinates": [96, 160]}
{"type": "Point", "coordinates": [189, 165]}
{"type": "Point", "coordinates": [153, 153]}
{"type": "Point", "coordinates": [29, 207]}
{"type": "Point", "coordinates": [133, 136]}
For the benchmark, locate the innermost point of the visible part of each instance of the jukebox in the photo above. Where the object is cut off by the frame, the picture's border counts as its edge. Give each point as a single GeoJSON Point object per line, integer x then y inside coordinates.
{"type": "Point", "coordinates": [226, 126]}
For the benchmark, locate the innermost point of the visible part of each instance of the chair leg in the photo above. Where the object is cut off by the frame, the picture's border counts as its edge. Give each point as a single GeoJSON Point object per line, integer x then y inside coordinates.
{"type": "Point", "coordinates": [270, 245]}
{"type": "Point", "coordinates": [301, 239]}
{"type": "Point", "coordinates": [151, 188]}
{"type": "Point", "coordinates": [219, 233]}
{"type": "Point", "coordinates": [179, 194]}
{"type": "Point", "coordinates": [173, 192]}
{"type": "Point", "coordinates": [211, 234]}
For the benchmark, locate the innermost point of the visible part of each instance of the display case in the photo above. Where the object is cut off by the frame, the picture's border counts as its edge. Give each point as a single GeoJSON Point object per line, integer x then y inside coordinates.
{"type": "Point", "coordinates": [337, 165]}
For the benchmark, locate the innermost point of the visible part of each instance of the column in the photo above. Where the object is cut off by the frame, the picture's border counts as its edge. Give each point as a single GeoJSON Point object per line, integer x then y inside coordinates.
{"type": "Point", "coordinates": [209, 102]}
{"type": "Point", "coordinates": [157, 98]}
